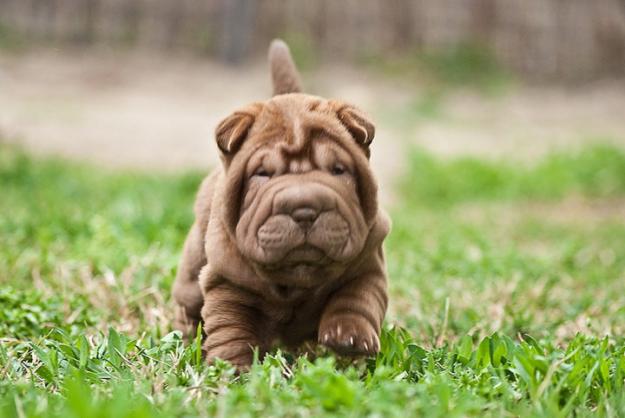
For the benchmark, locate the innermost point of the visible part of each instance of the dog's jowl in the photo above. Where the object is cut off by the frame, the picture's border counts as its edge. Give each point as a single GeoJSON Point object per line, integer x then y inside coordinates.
{"type": "Point", "coordinates": [287, 241]}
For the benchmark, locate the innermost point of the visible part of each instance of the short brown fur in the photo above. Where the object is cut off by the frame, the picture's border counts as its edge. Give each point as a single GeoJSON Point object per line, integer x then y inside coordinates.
{"type": "Point", "coordinates": [287, 241]}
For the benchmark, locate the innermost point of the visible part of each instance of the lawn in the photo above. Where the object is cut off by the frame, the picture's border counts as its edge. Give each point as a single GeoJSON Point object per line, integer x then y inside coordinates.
{"type": "Point", "coordinates": [507, 284]}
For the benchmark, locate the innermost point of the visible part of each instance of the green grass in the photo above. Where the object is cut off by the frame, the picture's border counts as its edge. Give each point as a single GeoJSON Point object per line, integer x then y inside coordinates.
{"type": "Point", "coordinates": [11, 40]}
{"type": "Point", "coordinates": [595, 172]}
{"type": "Point", "coordinates": [507, 285]}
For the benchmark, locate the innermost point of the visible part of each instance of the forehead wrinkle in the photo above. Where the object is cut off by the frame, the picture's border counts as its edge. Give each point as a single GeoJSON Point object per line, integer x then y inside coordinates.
{"type": "Point", "coordinates": [276, 123]}
{"type": "Point", "coordinates": [290, 150]}
{"type": "Point", "coordinates": [299, 132]}
{"type": "Point", "coordinates": [330, 127]}
{"type": "Point", "coordinates": [300, 122]}
{"type": "Point", "coordinates": [322, 126]}
{"type": "Point", "coordinates": [296, 138]}
{"type": "Point", "coordinates": [337, 151]}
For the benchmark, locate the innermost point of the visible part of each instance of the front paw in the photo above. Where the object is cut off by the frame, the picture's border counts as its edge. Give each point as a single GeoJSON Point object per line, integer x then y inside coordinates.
{"type": "Point", "coordinates": [240, 354]}
{"type": "Point", "coordinates": [349, 335]}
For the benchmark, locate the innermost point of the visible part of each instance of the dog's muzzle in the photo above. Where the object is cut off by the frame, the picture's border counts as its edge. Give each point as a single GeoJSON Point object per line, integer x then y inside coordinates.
{"type": "Point", "coordinates": [305, 226]}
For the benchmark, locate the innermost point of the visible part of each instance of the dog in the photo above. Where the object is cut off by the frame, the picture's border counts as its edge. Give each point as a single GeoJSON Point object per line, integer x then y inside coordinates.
{"type": "Point", "coordinates": [286, 246]}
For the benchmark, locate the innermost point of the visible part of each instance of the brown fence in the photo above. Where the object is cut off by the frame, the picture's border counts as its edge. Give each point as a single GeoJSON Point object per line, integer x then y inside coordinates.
{"type": "Point", "coordinates": [570, 39]}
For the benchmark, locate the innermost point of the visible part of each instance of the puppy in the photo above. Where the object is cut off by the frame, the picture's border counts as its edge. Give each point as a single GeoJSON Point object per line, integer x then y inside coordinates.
{"type": "Point", "coordinates": [287, 241]}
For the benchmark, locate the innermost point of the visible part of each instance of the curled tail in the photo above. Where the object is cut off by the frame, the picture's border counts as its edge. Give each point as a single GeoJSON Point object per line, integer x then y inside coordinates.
{"type": "Point", "coordinates": [284, 74]}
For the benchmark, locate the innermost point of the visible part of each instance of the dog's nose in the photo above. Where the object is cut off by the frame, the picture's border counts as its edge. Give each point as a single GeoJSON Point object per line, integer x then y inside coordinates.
{"type": "Point", "coordinates": [304, 216]}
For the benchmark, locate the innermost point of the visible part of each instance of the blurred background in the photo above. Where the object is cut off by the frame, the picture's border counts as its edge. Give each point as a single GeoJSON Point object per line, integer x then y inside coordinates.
{"type": "Point", "coordinates": [142, 83]}
{"type": "Point", "coordinates": [492, 232]}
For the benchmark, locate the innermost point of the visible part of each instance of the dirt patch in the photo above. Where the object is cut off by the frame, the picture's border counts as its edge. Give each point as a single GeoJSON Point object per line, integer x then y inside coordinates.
{"type": "Point", "coordinates": [157, 113]}
{"type": "Point", "coordinates": [527, 121]}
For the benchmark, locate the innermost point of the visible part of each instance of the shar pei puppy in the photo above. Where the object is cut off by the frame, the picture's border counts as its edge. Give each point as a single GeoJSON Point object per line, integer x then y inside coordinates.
{"type": "Point", "coordinates": [287, 241]}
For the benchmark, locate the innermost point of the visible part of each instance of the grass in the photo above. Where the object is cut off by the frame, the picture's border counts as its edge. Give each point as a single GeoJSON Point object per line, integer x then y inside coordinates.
{"type": "Point", "coordinates": [10, 38]}
{"type": "Point", "coordinates": [507, 289]}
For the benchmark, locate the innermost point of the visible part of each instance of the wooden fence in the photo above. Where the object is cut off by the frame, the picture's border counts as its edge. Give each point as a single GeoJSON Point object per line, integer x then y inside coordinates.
{"type": "Point", "coordinates": [571, 39]}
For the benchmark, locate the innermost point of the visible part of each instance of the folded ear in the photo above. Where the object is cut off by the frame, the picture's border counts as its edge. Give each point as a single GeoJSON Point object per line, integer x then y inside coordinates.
{"type": "Point", "coordinates": [357, 124]}
{"type": "Point", "coordinates": [232, 131]}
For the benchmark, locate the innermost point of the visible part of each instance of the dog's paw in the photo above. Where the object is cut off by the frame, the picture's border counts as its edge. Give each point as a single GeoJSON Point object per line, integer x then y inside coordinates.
{"type": "Point", "coordinates": [240, 353]}
{"type": "Point", "coordinates": [349, 335]}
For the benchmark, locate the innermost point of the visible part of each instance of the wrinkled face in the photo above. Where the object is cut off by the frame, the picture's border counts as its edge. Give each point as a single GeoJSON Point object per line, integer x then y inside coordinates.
{"type": "Point", "coordinates": [301, 212]}
{"type": "Point", "coordinates": [300, 186]}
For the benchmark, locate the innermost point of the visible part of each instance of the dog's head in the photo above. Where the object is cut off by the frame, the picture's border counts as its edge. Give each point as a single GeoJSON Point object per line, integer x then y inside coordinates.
{"type": "Point", "coordinates": [299, 196]}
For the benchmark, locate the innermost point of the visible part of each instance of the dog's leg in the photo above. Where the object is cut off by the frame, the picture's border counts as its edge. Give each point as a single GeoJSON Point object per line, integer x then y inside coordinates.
{"type": "Point", "coordinates": [351, 321]}
{"type": "Point", "coordinates": [186, 290]}
{"type": "Point", "coordinates": [232, 325]}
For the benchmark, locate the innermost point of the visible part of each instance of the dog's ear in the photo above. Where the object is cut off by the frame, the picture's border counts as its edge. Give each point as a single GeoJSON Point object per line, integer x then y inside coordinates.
{"type": "Point", "coordinates": [357, 124]}
{"type": "Point", "coordinates": [232, 131]}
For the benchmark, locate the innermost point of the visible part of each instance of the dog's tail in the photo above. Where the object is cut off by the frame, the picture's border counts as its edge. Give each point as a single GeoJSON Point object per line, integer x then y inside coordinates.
{"type": "Point", "coordinates": [283, 71]}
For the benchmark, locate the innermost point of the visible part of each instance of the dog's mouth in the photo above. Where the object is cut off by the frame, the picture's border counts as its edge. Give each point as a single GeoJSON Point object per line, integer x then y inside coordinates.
{"type": "Point", "coordinates": [297, 271]}
{"type": "Point", "coordinates": [301, 259]}
{"type": "Point", "coordinates": [304, 255]}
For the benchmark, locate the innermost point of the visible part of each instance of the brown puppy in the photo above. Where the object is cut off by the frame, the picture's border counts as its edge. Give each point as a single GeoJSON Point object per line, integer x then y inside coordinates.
{"type": "Point", "coordinates": [287, 241]}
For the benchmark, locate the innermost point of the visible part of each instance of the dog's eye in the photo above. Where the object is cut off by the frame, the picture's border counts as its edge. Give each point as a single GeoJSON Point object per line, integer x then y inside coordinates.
{"type": "Point", "coordinates": [337, 170]}
{"type": "Point", "coordinates": [261, 172]}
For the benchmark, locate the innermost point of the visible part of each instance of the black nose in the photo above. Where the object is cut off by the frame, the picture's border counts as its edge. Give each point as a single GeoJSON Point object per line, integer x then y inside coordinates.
{"type": "Point", "coordinates": [304, 216]}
